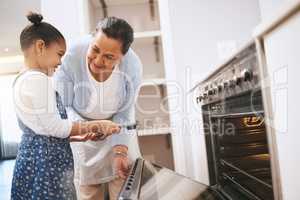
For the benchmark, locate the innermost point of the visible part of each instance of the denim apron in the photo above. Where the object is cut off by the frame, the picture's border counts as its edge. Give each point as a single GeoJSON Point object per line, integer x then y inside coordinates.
{"type": "Point", "coordinates": [44, 166]}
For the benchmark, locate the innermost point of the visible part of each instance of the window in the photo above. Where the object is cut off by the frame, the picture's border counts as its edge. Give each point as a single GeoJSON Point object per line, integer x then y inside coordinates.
{"type": "Point", "coordinates": [10, 134]}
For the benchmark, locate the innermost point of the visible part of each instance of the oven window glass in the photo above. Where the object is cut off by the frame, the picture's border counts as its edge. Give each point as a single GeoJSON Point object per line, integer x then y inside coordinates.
{"type": "Point", "coordinates": [240, 150]}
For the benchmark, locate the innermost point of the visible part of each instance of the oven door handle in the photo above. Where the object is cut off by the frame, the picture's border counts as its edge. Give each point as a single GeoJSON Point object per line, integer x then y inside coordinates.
{"type": "Point", "coordinates": [237, 114]}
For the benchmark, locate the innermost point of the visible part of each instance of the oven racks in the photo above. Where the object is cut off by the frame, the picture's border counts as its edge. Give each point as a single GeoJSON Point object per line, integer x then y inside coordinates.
{"type": "Point", "coordinates": [248, 180]}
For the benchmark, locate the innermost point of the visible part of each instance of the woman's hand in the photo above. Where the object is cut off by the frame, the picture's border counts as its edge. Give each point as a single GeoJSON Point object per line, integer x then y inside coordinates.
{"type": "Point", "coordinates": [121, 164]}
{"type": "Point", "coordinates": [103, 128]}
{"type": "Point", "coordinates": [84, 137]}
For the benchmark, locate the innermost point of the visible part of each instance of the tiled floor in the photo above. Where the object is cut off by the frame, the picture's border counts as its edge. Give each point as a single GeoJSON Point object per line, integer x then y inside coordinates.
{"type": "Point", "coordinates": [6, 171]}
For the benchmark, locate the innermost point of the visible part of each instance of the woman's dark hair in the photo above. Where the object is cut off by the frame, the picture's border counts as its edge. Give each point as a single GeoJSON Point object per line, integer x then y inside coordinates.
{"type": "Point", "coordinates": [117, 29]}
{"type": "Point", "coordinates": [38, 30]}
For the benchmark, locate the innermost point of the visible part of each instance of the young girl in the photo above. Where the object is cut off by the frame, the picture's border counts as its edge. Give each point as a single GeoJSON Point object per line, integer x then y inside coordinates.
{"type": "Point", "coordinates": [44, 164]}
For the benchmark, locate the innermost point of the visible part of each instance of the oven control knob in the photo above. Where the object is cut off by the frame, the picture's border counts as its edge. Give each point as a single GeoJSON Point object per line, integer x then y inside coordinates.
{"type": "Point", "coordinates": [215, 90]}
{"type": "Point", "coordinates": [247, 75]}
{"type": "Point", "coordinates": [237, 80]}
{"type": "Point", "coordinates": [231, 83]}
{"type": "Point", "coordinates": [199, 99]}
{"type": "Point", "coordinates": [225, 84]}
{"type": "Point", "coordinates": [220, 88]}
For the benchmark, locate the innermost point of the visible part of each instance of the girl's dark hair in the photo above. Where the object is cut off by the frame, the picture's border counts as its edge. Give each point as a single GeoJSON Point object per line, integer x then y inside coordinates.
{"type": "Point", "coordinates": [38, 30]}
{"type": "Point", "coordinates": [117, 29]}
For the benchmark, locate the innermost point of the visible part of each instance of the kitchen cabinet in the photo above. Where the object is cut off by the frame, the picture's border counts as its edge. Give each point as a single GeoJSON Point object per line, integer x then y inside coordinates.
{"type": "Point", "coordinates": [279, 39]}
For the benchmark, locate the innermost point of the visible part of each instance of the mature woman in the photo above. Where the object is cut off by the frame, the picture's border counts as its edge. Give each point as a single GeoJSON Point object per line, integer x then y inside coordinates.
{"type": "Point", "coordinates": [99, 79]}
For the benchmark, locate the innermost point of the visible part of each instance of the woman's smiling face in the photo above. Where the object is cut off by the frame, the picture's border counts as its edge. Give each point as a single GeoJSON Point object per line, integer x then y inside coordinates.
{"type": "Point", "coordinates": [103, 53]}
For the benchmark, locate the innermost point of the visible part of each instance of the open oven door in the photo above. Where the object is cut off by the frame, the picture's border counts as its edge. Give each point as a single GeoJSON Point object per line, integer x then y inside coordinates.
{"type": "Point", "coordinates": [148, 181]}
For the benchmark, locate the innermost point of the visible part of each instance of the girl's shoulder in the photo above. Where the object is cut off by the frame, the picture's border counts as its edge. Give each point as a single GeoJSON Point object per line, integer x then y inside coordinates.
{"type": "Point", "coordinates": [30, 75]}
{"type": "Point", "coordinates": [32, 86]}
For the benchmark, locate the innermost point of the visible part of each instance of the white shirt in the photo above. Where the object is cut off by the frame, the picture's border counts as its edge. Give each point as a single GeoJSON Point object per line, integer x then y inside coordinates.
{"type": "Point", "coordinates": [95, 157]}
{"type": "Point", "coordinates": [104, 101]}
{"type": "Point", "coordinates": [35, 105]}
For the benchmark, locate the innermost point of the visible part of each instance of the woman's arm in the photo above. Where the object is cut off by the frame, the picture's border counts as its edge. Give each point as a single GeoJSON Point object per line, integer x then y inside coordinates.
{"type": "Point", "coordinates": [126, 115]}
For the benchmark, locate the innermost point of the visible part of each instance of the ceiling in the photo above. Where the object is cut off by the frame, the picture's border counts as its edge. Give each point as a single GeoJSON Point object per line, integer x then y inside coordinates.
{"type": "Point", "coordinates": [13, 20]}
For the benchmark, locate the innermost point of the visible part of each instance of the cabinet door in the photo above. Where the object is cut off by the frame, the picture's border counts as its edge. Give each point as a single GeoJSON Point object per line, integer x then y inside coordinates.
{"type": "Point", "coordinates": [282, 47]}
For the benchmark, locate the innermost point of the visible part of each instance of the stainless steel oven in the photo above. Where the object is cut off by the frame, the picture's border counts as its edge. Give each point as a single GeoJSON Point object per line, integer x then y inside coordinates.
{"type": "Point", "coordinates": [237, 141]}
{"type": "Point", "coordinates": [240, 150]}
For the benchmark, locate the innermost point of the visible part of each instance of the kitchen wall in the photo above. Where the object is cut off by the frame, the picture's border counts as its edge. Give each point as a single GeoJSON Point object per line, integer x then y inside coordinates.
{"type": "Point", "coordinates": [13, 20]}
{"type": "Point", "coordinates": [197, 36]}
{"type": "Point", "coordinates": [67, 16]}
{"type": "Point", "coordinates": [268, 8]}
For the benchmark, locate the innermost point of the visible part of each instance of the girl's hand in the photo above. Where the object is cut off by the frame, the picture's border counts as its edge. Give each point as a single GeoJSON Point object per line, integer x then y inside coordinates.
{"type": "Point", "coordinates": [103, 128]}
{"type": "Point", "coordinates": [84, 137]}
{"type": "Point", "coordinates": [93, 130]}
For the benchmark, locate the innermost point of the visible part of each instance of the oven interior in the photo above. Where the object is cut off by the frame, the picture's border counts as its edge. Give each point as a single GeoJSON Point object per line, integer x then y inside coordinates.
{"type": "Point", "coordinates": [237, 147]}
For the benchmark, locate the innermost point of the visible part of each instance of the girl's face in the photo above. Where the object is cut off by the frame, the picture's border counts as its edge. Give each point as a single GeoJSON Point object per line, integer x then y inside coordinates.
{"type": "Point", "coordinates": [103, 54]}
{"type": "Point", "coordinates": [49, 57]}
